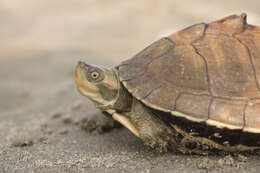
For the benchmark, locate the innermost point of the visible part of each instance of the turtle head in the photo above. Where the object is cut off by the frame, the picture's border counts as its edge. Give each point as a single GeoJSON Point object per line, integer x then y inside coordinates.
{"type": "Point", "coordinates": [100, 85]}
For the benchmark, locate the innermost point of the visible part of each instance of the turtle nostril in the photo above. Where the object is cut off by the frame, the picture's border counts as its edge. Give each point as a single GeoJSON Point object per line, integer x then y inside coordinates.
{"type": "Point", "coordinates": [81, 63]}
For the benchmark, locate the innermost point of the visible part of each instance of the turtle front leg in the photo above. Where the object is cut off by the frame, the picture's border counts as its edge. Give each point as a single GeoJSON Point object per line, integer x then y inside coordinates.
{"type": "Point", "coordinates": [152, 130]}
{"type": "Point", "coordinates": [125, 121]}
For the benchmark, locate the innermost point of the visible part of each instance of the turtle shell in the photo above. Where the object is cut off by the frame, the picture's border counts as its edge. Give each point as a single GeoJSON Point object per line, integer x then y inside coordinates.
{"type": "Point", "coordinates": [205, 73]}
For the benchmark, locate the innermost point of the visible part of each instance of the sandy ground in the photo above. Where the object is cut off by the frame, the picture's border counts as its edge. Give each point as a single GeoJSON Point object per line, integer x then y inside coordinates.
{"type": "Point", "coordinates": [41, 113]}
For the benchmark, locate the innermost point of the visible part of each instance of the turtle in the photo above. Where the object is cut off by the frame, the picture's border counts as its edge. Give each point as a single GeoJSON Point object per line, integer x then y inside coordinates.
{"type": "Point", "coordinates": [196, 90]}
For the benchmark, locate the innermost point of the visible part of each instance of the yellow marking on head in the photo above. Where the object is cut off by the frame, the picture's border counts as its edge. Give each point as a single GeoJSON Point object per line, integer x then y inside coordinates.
{"type": "Point", "coordinates": [85, 87]}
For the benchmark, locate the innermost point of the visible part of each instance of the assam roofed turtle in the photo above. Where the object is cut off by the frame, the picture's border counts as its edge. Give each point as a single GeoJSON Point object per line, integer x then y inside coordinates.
{"type": "Point", "coordinates": [195, 90]}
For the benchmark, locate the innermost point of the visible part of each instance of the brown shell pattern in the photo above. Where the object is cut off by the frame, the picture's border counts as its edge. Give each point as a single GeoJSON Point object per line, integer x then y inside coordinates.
{"type": "Point", "coordinates": [204, 73]}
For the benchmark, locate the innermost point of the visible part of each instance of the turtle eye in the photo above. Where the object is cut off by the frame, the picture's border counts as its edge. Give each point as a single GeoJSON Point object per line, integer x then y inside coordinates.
{"type": "Point", "coordinates": [94, 75]}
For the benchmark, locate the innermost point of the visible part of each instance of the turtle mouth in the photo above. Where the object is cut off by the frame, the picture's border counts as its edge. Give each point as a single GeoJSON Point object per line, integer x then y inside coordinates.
{"type": "Point", "coordinates": [80, 72]}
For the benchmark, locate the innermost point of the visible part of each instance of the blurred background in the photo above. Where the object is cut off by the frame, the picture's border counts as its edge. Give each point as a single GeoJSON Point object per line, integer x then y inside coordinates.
{"type": "Point", "coordinates": [42, 40]}
{"type": "Point", "coordinates": [113, 30]}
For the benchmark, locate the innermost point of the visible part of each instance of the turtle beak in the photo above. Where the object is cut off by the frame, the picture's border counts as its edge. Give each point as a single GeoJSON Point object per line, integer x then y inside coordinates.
{"type": "Point", "coordinates": [80, 70]}
{"type": "Point", "coordinates": [81, 81]}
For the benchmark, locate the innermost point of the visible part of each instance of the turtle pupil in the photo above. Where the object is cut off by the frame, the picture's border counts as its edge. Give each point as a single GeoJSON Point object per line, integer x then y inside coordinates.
{"type": "Point", "coordinates": [94, 75]}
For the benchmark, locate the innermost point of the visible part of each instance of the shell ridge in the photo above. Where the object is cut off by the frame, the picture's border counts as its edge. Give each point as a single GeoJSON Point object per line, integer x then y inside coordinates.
{"type": "Point", "coordinates": [244, 114]}
{"type": "Point", "coordinates": [152, 60]}
{"type": "Point", "coordinates": [189, 34]}
{"type": "Point", "coordinates": [188, 93]}
{"type": "Point", "coordinates": [209, 107]}
{"type": "Point", "coordinates": [251, 62]}
{"type": "Point", "coordinates": [206, 25]}
{"type": "Point", "coordinates": [136, 77]}
{"type": "Point", "coordinates": [178, 96]}
{"type": "Point", "coordinates": [140, 75]}
{"type": "Point", "coordinates": [173, 84]}
{"type": "Point", "coordinates": [150, 92]}
{"type": "Point", "coordinates": [189, 116]}
{"type": "Point", "coordinates": [206, 67]}
{"type": "Point", "coordinates": [170, 40]}
{"type": "Point", "coordinates": [232, 24]}
{"type": "Point", "coordinates": [143, 50]}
